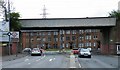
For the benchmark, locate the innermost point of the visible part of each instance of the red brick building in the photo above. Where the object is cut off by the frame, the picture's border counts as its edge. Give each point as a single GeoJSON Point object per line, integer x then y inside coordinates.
{"type": "Point", "coordinates": [64, 38]}
{"type": "Point", "coordinates": [68, 33]}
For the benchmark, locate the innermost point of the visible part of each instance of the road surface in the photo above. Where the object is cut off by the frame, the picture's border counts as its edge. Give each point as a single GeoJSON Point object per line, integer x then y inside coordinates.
{"type": "Point", "coordinates": [62, 61]}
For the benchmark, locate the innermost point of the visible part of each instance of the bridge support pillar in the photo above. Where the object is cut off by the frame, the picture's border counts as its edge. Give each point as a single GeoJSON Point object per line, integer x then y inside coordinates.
{"type": "Point", "coordinates": [105, 38]}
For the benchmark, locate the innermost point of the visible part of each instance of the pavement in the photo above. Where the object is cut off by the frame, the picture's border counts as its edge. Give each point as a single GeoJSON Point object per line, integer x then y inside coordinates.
{"type": "Point", "coordinates": [12, 57]}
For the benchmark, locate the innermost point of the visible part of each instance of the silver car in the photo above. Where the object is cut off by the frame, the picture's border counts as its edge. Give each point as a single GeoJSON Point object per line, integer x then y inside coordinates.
{"type": "Point", "coordinates": [26, 50]}
{"type": "Point", "coordinates": [84, 53]}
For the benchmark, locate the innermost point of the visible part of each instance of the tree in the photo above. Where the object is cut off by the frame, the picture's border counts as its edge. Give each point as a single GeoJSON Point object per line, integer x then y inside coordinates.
{"type": "Point", "coordinates": [3, 9]}
{"type": "Point", "coordinates": [14, 21]}
{"type": "Point", "coordinates": [115, 14]}
{"type": "Point", "coordinates": [7, 13]}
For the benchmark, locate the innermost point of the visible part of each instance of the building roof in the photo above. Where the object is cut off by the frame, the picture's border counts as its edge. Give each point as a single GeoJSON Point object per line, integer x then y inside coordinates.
{"type": "Point", "coordinates": [69, 22]}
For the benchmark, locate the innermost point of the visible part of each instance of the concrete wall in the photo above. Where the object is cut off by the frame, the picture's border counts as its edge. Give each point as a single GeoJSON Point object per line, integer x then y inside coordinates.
{"type": "Point", "coordinates": [69, 22]}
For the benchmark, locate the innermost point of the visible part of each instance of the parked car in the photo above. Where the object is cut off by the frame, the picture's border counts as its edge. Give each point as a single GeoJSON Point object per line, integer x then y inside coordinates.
{"type": "Point", "coordinates": [36, 51]}
{"type": "Point", "coordinates": [75, 51]}
{"type": "Point", "coordinates": [89, 49]}
{"type": "Point", "coordinates": [84, 53]}
{"type": "Point", "coordinates": [26, 50]}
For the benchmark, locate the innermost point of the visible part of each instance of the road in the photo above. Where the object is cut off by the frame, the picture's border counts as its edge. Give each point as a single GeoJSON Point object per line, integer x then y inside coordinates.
{"type": "Point", "coordinates": [49, 61]}
{"type": "Point", "coordinates": [99, 61]}
{"type": "Point", "coordinates": [62, 61]}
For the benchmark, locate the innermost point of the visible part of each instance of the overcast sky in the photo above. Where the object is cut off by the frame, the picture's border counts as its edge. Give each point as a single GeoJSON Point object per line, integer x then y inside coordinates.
{"type": "Point", "coordinates": [65, 8]}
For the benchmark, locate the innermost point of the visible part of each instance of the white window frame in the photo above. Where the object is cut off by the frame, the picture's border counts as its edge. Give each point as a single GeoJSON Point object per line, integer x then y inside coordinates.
{"type": "Point", "coordinates": [67, 31]}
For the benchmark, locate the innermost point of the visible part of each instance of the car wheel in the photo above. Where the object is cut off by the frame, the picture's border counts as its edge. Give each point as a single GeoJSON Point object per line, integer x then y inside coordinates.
{"type": "Point", "coordinates": [40, 54]}
{"type": "Point", "coordinates": [89, 56]}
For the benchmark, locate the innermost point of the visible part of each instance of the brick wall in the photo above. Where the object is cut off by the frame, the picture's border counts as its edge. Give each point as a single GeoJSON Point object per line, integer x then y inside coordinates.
{"type": "Point", "coordinates": [38, 43]}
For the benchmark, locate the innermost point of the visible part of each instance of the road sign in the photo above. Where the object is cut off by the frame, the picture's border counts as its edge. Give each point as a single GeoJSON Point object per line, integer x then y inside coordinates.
{"type": "Point", "coordinates": [9, 33]}
{"type": "Point", "coordinates": [14, 34]}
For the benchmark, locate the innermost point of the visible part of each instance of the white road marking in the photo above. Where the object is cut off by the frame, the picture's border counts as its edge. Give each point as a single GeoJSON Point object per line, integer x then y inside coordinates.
{"type": "Point", "coordinates": [43, 57]}
{"type": "Point", "coordinates": [79, 65]}
{"type": "Point", "coordinates": [50, 60]}
{"type": "Point", "coordinates": [37, 60]}
{"type": "Point", "coordinates": [26, 59]}
{"type": "Point", "coordinates": [72, 67]}
{"type": "Point", "coordinates": [26, 56]}
{"type": "Point", "coordinates": [72, 61]}
{"type": "Point", "coordinates": [29, 63]}
{"type": "Point", "coordinates": [54, 58]}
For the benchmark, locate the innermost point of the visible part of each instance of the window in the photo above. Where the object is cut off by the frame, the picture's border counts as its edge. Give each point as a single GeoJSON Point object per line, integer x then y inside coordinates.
{"type": "Point", "coordinates": [74, 45]}
{"type": "Point", "coordinates": [49, 46]}
{"type": "Point", "coordinates": [81, 38]}
{"type": "Point", "coordinates": [73, 37]}
{"type": "Point", "coordinates": [89, 30]}
{"type": "Point", "coordinates": [49, 38]}
{"type": "Point", "coordinates": [88, 37]}
{"type": "Point", "coordinates": [62, 38]}
{"type": "Point", "coordinates": [67, 38]}
{"type": "Point", "coordinates": [55, 39]}
{"type": "Point", "coordinates": [55, 33]}
{"type": "Point", "coordinates": [87, 44]}
{"type": "Point", "coordinates": [37, 34]}
{"type": "Point", "coordinates": [95, 37]}
{"type": "Point", "coordinates": [43, 33]}
{"type": "Point", "coordinates": [63, 45]}
{"type": "Point", "coordinates": [95, 30]}
{"type": "Point", "coordinates": [94, 44]}
{"type": "Point", "coordinates": [44, 39]}
{"type": "Point", "coordinates": [62, 32]}
{"type": "Point", "coordinates": [38, 38]}
{"type": "Point", "coordinates": [49, 33]}
{"type": "Point", "coordinates": [81, 31]}
{"type": "Point", "coordinates": [37, 45]}
{"type": "Point", "coordinates": [32, 34]}
{"type": "Point", "coordinates": [86, 31]}
{"type": "Point", "coordinates": [40, 33]}
{"type": "Point", "coordinates": [74, 32]}
{"type": "Point", "coordinates": [81, 44]}
{"type": "Point", "coordinates": [67, 45]}
{"type": "Point", "coordinates": [68, 32]}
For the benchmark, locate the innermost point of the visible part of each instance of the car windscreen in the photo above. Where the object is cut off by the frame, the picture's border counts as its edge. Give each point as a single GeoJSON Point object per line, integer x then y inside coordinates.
{"type": "Point", "coordinates": [35, 49]}
{"type": "Point", "coordinates": [84, 50]}
{"type": "Point", "coordinates": [75, 49]}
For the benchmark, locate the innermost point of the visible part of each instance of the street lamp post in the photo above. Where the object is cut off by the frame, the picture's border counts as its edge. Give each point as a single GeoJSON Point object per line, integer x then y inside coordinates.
{"type": "Point", "coordinates": [9, 34]}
